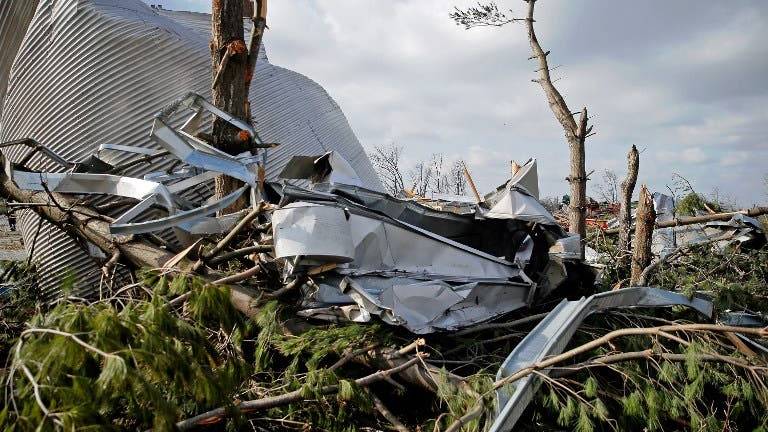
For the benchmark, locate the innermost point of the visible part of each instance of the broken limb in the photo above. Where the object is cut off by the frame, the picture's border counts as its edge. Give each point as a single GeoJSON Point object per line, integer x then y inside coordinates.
{"type": "Point", "coordinates": [290, 286]}
{"type": "Point", "coordinates": [219, 414]}
{"type": "Point", "coordinates": [387, 413]}
{"type": "Point", "coordinates": [651, 354]}
{"type": "Point", "coordinates": [223, 243]}
{"type": "Point", "coordinates": [641, 249]}
{"type": "Point", "coordinates": [257, 35]}
{"type": "Point", "coordinates": [474, 413]}
{"type": "Point", "coordinates": [240, 252]}
{"type": "Point", "coordinates": [656, 263]}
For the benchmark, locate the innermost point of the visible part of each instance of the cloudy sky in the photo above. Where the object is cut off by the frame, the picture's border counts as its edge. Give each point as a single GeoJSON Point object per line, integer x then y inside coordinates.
{"type": "Point", "coordinates": [683, 80]}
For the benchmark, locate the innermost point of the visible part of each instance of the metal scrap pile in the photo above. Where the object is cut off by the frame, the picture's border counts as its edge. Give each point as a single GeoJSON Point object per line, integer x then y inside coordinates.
{"type": "Point", "coordinates": [409, 264]}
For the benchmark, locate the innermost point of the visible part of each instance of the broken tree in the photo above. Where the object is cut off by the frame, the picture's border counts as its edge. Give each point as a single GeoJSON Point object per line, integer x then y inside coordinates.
{"type": "Point", "coordinates": [641, 250]}
{"type": "Point", "coordinates": [232, 71]}
{"type": "Point", "coordinates": [576, 132]}
{"type": "Point", "coordinates": [625, 211]}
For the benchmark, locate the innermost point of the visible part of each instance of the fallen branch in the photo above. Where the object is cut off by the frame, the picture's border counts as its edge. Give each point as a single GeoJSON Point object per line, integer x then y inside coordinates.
{"type": "Point", "coordinates": [85, 224]}
{"type": "Point", "coordinates": [218, 414]}
{"type": "Point", "coordinates": [240, 252]}
{"type": "Point", "coordinates": [387, 414]}
{"type": "Point", "coordinates": [753, 212]}
{"type": "Point", "coordinates": [475, 412]}
{"type": "Point", "coordinates": [650, 354]}
{"type": "Point", "coordinates": [646, 274]}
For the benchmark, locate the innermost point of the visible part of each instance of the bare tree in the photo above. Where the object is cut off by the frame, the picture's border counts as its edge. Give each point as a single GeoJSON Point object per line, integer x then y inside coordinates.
{"type": "Point", "coordinates": [608, 190]}
{"type": "Point", "coordinates": [552, 203]}
{"type": "Point", "coordinates": [439, 177]}
{"type": "Point", "coordinates": [447, 179]}
{"type": "Point", "coordinates": [386, 161]}
{"type": "Point", "coordinates": [625, 211]}
{"type": "Point", "coordinates": [576, 132]}
{"type": "Point", "coordinates": [421, 177]}
{"type": "Point", "coordinates": [432, 175]}
{"type": "Point", "coordinates": [233, 67]}
{"type": "Point", "coordinates": [456, 180]}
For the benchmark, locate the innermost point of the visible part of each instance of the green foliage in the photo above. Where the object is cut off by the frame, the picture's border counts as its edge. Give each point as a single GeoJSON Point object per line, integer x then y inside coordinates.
{"type": "Point", "coordinates": [18, 303]}
{"type": "Point", "coordinates": [734, 279]}
{"type": "Point", "coordinates": [460, 401]}
{"type": "Point", "coordinates": [135, 367]}
{"type": "Point", "coordinates": [693, 203]}
{"type": "Point", "coordinates": [655, 394]}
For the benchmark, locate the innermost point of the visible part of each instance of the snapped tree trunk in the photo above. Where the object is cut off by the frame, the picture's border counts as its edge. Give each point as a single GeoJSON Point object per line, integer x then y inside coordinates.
{"type": "Point", "coordinates": [625, 211]}
{"type": "Point", "coordinates": [575, 133]}
{"type": "Point", "coordinates": [229, 56]}
{"type": "Point", "coordinates": [644, 221]}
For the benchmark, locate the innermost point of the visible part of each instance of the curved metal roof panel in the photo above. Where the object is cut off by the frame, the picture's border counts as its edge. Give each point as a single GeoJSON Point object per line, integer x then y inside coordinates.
{"type": "Point", "coordinates": [90, 72]}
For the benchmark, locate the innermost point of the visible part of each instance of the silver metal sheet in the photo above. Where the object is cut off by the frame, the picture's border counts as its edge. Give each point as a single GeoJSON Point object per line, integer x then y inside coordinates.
{"type": "Point", "coordinates": [327, 168]}
{"type": "Point", "coordinates": [178, 218]}
{"type": "Point", "coordinates": [552, 334]}
{"type": "Point", "coordinates": [430, 306]}
{"type": "Point", "coordinates": [385, 244]}
{"type": "Point", "coordinates": [528, 178]}
{"type": "Point", "coordinates": [15, 17]}
{"type": "Point", "coordinates": [81, 183]}
{"type": "Point", "coordinates": [405, 275]}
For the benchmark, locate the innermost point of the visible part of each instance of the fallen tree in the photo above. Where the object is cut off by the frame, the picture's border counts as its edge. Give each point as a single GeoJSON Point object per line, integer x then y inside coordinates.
{"type": "Point", "coordinates": [690, 220]}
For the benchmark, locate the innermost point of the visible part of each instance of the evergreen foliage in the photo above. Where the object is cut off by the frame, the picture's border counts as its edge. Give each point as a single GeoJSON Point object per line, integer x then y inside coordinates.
{"type": "Point", "coordinates": [693, 204]}
{"type": "Point", "coordinates": [137, 366]}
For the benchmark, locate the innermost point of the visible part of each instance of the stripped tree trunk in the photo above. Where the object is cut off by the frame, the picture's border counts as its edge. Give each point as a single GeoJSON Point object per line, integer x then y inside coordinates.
{"type": "Point", "coordinates": [229, 56]}
{"type": "Point", "coordinates": [575, 133]}
{"type": "Point", "coordinates": [644, 221]}
{"type": "Point", "coordinates": [625, 211]}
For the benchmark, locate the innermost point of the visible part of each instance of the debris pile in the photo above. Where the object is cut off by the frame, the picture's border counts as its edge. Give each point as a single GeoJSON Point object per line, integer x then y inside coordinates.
{"type": "Point", "coordinates": [328, 249]}
{"type": "Point", "coordinates": [142, 301]}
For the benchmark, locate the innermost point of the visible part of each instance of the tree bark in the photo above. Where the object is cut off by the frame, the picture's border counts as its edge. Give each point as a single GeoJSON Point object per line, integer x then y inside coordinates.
{"type": "Point", "coordinates": [229, 56]}
{"type": "Point", "coordinates": [575, 133]}
{"type": "Point", "coordinates": [641, 252]}
{"type": "Point", "coordinates": [625, 211]}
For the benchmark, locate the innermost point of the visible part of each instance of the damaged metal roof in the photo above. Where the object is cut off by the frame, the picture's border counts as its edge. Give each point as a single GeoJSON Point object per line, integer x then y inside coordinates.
{"type": "Point", "coordinates": [121, 61]}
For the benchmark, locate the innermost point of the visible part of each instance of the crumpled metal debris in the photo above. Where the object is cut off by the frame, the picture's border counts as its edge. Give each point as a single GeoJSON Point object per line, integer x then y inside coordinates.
{"type": "Point", "coordinates": [741, 230]}
{"type": "Point", "coordinates": [413, 265]}
{"type": "Point", "coordinates": [201, 162]}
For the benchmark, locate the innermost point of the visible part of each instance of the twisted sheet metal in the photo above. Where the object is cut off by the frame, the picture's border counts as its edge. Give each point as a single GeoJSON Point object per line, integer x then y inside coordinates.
{"type": "Point", "coordinates": [90, 72]}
